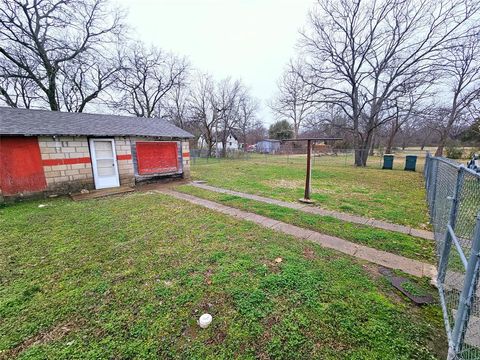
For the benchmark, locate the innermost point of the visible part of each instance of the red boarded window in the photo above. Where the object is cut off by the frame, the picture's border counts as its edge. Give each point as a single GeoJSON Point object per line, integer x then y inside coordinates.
{"type": "Point", "coordinates": [21, 168]}
{"type": "Point", "coordinates": [157, 157]}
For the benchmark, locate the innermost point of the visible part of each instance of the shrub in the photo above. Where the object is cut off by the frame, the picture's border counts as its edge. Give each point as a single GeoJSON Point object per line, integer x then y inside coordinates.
{"type": "Point", "coordinates": [453, 152]}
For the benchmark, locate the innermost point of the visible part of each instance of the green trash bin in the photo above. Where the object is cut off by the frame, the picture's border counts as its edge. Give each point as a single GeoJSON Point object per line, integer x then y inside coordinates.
{"type": "Point", "coordinates": [388, 161]}
{"type": "Point", "coordinates": [410, 162]}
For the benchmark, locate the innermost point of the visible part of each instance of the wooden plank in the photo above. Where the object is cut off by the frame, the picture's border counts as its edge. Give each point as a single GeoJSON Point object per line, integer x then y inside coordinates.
{"type": "Point", "coordinates": [95, 194]}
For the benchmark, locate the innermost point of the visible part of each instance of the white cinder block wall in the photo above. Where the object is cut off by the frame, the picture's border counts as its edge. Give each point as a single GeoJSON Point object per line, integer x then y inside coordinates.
{"type": "Point", "coordinates": [68, 168]}
{"type": "Point", "coordinates": [66, 163]}
{"type": "Point", "coordinates": [186, 159]}
{"type": "Point", "coordinates": [123, 148]}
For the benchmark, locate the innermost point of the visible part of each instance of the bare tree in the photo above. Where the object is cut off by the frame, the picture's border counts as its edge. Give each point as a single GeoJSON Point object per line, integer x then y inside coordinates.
{"type": "Point", "coordinates": [361, 54]}
{"type": "Point", "coordinates": [226, 100]}
{"type": "Point", "coordinates": [82, 80]}
{"type": "Point", "coordinates": [293, 101]}
{"type": "Point", "coordinates": [39, 37]}
{"type": "Point", "coordinates": [247, 116]}
{"type": "Point", "coordinates": [218, 109]}
{"type": "Point", "coordinates": [399, 117]}
{"type": "Point", "coordinates": [405, 109]}
{"type": "Point", "coordinates": [148, 75]}
{"type": "Point", "coordinates": [462, 69]}
{"type": "Point", "coordinates": [257, 132]}
{"type": "Point", "coordinates": [177, 106]}
{"type": "Point", "coordinates": [204, 113]}
{"type": "Point", "coordinates": [16, 91]}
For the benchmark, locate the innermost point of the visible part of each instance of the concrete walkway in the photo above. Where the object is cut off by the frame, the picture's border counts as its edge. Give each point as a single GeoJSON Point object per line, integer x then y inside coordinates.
{"type": "Point", "coordinates": [409, 266]}
{"type": "Point", "coordinates": [319, 211]}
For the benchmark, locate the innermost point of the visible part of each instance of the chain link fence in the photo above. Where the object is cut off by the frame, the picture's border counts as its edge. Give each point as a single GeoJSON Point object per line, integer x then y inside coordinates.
{"type": "Point", "coordinates": [453, 194]}
{"type": "Point", "coordinates": [320, 157]}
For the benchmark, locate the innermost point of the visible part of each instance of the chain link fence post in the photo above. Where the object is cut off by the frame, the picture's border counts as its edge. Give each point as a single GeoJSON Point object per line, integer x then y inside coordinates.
{"type": "Point", "coordinates": [447, 244]}
{"type": "Point", "coordinates": [468, 292]}
{"type": "Point", "coordinates": [453, 194]}
{"type": "Point", "coordinates": [434, 187]}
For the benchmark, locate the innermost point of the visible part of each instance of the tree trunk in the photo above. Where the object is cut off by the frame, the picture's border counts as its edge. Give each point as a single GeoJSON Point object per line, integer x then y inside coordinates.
{"type": "Point", "coordinates": [358, 158]}
{"type": "Point", "coordinates": [372, 147]}
{"type": "Point", "coordinates": [224, 148]}
{"type": "Point", "coordinates": [443, 138]}
{"type": "Point", "coordinates": [52, 90]}
{"type": "Point", "coordinates": [445, 133]}
{"type": "Point", "coordinates": [295, 131]}
{"type": "Point", "coordinates": [357, 150]}
{"type": "Point", "coordinates": [441, 146]}
{"type": "Point", "coordinates": [424, 141]}
{"type": "Point", "coordinates": [210, 146]}
{"type": "Point", "coordinates": [52, 102]}
{"type": "Point", "coordinates": [390, 140]}
{"type": "Point", "coordinates": [361, 154]}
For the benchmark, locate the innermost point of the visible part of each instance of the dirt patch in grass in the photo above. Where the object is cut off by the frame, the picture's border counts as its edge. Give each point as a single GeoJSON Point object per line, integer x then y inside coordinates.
{"type": "Point", "coordinates": [190, 332]}
{"type": "Point", "coordinates": [217, 338]}
{"type": "Point", "coordinates": [266, 336]}
{"type": "Point", "coordinates": [309, 253]}
{"type": "Point", "coordinates": [208, 276]}
{"type": "Point", "coordinates": [373, 270]}
{"type": "Point", "coordinates": [271, 320]}
{"type": "Point", "coordinates": [273, 267]}
{"type": "Point", "coordinates": [55, 333]}
{"type": "Point", "coordinates": [284, 184]}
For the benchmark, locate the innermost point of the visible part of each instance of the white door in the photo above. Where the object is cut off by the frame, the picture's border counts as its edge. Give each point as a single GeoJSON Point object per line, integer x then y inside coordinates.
{"type": "Point", "coordinates": [104, 162]}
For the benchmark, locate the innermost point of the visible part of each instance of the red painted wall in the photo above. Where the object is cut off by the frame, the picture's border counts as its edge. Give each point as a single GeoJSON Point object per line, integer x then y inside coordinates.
{"type": "Point", "coordinates": [156, 157]}
{"type": "Point", "coordinates": [21, 168]}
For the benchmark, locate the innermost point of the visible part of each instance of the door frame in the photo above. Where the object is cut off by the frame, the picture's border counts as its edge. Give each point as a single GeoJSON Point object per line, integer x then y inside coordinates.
{"type": "Point", "coordinates": [94, 161]}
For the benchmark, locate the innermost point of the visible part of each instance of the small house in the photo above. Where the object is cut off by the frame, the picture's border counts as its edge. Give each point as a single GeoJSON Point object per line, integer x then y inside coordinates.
{"type": "Point", "coordinates": [55, 152]}
{"type": "Point", "coordinates": [268, 146]}
{"type": "Point", "coordinates": [232, 143]}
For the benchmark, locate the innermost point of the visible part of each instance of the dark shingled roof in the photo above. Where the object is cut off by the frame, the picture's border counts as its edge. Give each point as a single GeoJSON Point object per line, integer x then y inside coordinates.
{"type": "Point", "coordinates": [45, 122]}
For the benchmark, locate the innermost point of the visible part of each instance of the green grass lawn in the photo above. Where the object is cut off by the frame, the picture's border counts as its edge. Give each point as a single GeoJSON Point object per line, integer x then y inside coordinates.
{"type": "Point", "coordinates": [397, 243]}
{"type": "Point", "coordinates": [128, 277]}
{"type": "Point", "coordinates": [394, 195]}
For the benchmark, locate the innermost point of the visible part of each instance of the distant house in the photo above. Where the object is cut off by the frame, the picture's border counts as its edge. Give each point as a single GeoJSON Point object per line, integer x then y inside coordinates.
{"type": "Point", "coordinates": [232, 143]}
{"type": "Point", "coordinates": [268, 146]}
{"type": "Point", "coordinates": [55, 152]}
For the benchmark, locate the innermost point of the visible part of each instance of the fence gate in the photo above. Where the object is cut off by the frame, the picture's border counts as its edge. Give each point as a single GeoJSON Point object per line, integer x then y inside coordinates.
{"type": "Point", "coordinates": [453, 194]}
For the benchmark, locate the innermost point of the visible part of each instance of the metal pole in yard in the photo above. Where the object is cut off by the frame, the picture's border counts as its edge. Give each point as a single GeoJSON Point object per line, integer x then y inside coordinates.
{"type": "Point", "coordinates": [426, 175]}
{"type": "Point", "coordinates": [314, 158]}
{"type": "Point", "coordinates": [447, 244]}
{"type": "Point", "coordinates": [309, 170]}
{"type": "Point", "coordinates": [468, 292]}
{"type": "Point", "coordinates": [308, 176]}
{"type": "Point", "coordinates": [434, 189]}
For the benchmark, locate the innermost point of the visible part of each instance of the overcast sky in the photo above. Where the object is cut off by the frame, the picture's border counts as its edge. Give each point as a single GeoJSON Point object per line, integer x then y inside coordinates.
{"type": "Point", "coordinates": [247, 39]}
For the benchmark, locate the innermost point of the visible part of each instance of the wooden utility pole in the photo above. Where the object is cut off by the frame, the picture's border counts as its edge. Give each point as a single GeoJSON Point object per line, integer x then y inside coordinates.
{"type": "Point", "coordinates": [308, 176]}
{"type": "Point", "coordinates": [308, 186]}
